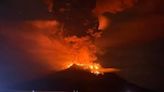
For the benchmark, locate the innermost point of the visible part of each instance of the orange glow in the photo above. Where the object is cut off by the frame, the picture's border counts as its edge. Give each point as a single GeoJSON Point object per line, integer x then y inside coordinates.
{"type": "Point", "coordinates": [113, 6]}
{"type": "Point", "coordinates": [103, 22]}
{"type": "Point", "coordinates": [94, 68]}
{"type": "Point", "coordinates": [61, 52]}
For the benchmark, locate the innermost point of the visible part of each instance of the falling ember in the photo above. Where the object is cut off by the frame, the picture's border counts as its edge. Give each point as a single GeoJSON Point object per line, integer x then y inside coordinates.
{"type": "Point", "coordinates": [64, 44]}
{"type": "Point", "coordinates": [62, 52]}
{"type": "Point", "coordinates": [84, 55]}
{"type": "Point", "coordinates": [94, 68]}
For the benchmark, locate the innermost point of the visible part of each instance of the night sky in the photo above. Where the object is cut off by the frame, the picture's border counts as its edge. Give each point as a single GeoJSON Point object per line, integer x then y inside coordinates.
{"type": "Point", "coordinates": [133, 42]}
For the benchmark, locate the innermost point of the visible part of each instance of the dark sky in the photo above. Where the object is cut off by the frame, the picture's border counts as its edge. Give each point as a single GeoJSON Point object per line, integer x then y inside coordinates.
{"type": "Point", "coordinates": [23, 10]}
{"type": "Point", "coordinates": [133, 42]}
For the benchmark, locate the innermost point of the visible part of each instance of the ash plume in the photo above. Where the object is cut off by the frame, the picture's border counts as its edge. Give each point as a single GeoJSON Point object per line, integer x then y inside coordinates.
{"type": "Point", "coordinates": [113, 6]}
{"type": "Point", "coordinates": [65, 39]}
{"type": "Point", "coordinates": [37, 47]}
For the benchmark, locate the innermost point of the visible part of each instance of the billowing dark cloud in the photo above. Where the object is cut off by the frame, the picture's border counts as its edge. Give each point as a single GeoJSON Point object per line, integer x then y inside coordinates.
{"type": "Point", "coordinates": [133, 31]}
{"type": "Point", "coordinates": [134, 42]}
{"type": "Point", "coordinates": [113, 6]}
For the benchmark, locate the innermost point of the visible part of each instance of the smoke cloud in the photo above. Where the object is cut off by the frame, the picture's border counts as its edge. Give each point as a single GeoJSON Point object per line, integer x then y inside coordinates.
{"type": "Point", "coordinates": [51, 46]}
{"type": "Point", "coordinates": [142, 23]}
{"type": "Point", "coordinates": [113, 6]}
{"type": "Point", "coordinates": [133, 42]}
{"type": "Point", "coordinates": [37, 47]}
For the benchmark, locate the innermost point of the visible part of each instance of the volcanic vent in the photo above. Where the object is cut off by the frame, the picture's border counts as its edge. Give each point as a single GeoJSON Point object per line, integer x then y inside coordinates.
{"type": "Point", "coordinates": [75, 78]}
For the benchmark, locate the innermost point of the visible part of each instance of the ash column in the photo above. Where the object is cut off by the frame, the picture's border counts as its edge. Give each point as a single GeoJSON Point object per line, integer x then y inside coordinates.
{"type": "Point", "coordinates": [76, 16]}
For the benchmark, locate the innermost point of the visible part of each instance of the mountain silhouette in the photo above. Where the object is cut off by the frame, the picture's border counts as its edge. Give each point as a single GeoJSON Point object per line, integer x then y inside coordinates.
{"type": "Point", "coordinates": [75, 79]}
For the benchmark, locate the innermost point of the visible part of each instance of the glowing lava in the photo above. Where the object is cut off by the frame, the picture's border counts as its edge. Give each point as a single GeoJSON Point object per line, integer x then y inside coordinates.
{"type": "Point", "coordinates": [61, 52]}
{"type": "Point", "coordinates": [94, 68]}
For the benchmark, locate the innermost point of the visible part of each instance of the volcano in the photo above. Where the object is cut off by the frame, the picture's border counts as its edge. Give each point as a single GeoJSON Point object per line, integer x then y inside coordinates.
{"type": "Point", "coordinates": [75, 79]}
